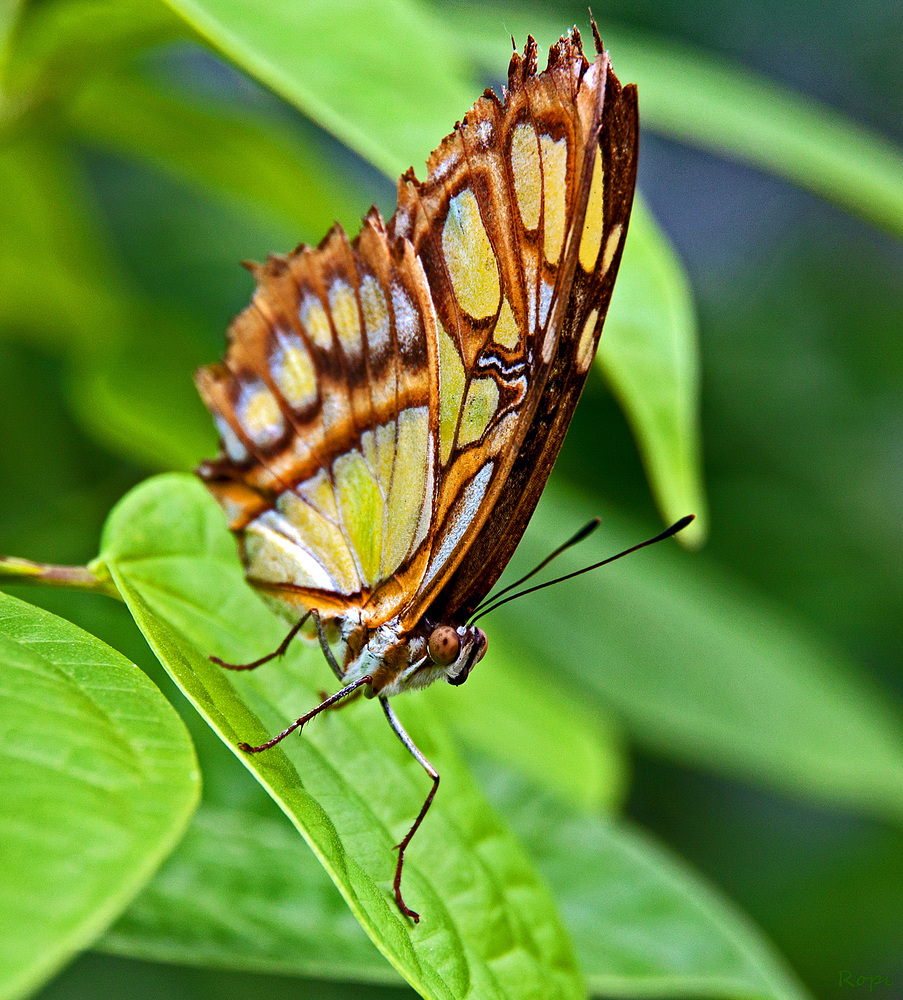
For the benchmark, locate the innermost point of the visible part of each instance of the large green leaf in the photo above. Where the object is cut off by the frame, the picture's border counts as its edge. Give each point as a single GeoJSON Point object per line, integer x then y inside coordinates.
{"type": "Point", "coordinates": [702, 668]}
{"type": "Point", "coordinates": [377, 74]}
{"type": "Point", "coordinates": [243, 891]}
{"type": "Point", "coordinates": [111, 977]}
{"type": "Point", "coordinates": [97, 781]}
{"type": "Point", "coordinates": [697, 98]}
{"type": "Point", "coordinates": [650, 357]}
{"type": "Point", "coordinates": [489, 929]}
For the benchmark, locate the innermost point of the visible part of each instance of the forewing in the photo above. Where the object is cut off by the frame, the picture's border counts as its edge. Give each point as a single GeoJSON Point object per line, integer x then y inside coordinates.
{"type": "Point", "coordinates": [598, 254]}
{"type": "Point", "coordinates": [519, 227]}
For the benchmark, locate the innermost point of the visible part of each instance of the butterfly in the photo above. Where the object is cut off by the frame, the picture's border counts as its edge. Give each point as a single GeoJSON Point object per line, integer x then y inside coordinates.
{"type": "Point", "coordinates": [390, 407]}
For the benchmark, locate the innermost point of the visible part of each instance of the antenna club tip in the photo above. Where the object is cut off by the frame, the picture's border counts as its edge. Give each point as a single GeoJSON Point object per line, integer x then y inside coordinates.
{"type": "Point", "coordinates": [678, 526]}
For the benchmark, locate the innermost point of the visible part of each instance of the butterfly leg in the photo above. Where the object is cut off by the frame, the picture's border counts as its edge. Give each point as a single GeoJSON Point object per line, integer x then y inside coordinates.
{"type": "Point", "coordinates": [280, 651]}
{"type": "Point", "coordinates": [298, 723]}
{"type": "Point", "coordinates": [434, 774]}
{"type": "Point", "coordinates": [347, 701]}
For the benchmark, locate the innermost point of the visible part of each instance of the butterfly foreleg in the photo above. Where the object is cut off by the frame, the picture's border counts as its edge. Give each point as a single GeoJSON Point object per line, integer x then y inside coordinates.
{"type": "Point", "coordinates": [280, 650]}
{"type": "Point", "coordinates": [299, 723]}
{"type": "Point", "coordinates": [434, 774]}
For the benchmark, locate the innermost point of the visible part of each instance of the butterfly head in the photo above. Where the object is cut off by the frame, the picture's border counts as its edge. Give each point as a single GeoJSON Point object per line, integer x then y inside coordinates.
{"type": "Point", "coordinates": [457, 650]}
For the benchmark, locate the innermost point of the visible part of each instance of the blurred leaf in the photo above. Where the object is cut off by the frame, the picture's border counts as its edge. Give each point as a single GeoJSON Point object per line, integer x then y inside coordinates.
{"type": "Point", "coordinates": [515, 713]}
{"type": "Point", "coordinates": [61, 42]}
{"type": "Point", "coordinates": [108, 977]}
{"type": "Point", "coordinates": [242, 891]}
{"type": "Point", "coordinates": [390, 92]}
{"type": "Point", "coordinates": [488, 927]}
{"type": "Point", "coordinates": [97, 782]}
{"type": "Point", "coordinates": [645, 925]}
{"type": "Point", "coordinates": [706, 670]}
{"type": "Point", "coordinates": [56, 283]}
{"type": "Point", "coordinates": [696, 98]}
{"type": "Point", "coordinates": [725, 108]}
{"type": "Point", "coordinates": [252, 162]}
{"type": "Point", "coordinates": [138, 398]}
{"type": "Point", "coordinates": [9, 14]}
{"type": "Point", "coordinates": [650, 356]}
{"type": "Point", "coordinates": [131, 362]}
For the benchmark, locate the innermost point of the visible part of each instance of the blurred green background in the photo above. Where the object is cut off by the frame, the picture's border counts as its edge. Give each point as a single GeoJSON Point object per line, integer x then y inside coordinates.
{"type": "Point", "coordinates": [119, 243]}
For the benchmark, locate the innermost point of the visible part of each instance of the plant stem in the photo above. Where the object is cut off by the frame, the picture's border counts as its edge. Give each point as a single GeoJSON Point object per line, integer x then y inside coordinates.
{"type": "Point", "coordinates": [15, 570]}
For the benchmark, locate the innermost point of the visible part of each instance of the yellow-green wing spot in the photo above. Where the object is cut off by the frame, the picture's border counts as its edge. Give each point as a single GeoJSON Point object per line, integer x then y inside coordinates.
{"type": "Point", "coordinates": [361, 507]}
{"type": "Point", "coordinates": [554, 175]}
{"type": "Point", "coordinates": [346, 317]}
{"type": "Point", "coordinates": [274, 553]}
{"type": "Point", "coordinates": [259, 414]}
{"type": "Point", "coordinates": [293, 371]}
{"type": "Point", "coordinates": [479, 408]}
{"type": "Point", "coordinates": [506, 332]}
{"type": "Point", "coordinates": [324, 538]}
{"type": "Point", "coordinates": [376, 315]}
{"type": "Point", "coordinates": [318, 491]}
{"type": "Point", "coordinates": [408, 495]}
{"type": "Point", "coordinates": [315, 322]}
{"type": "Point", "coordinates": [585, 350]}
{"type": "Point", "coordinates": [591, 237]}
{"type": "Point", "coordinates": [470, 258]}
{"type": "Point", "coordinates": [451, 392]}
{"type": "Point", "coordinates": [527, 177]}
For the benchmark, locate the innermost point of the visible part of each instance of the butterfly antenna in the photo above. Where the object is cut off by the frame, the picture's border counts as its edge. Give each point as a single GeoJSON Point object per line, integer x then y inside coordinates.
{"type": "Point", "coordinates": [584, 532]}
{"type": "Point", "coordinates": [667, 533]}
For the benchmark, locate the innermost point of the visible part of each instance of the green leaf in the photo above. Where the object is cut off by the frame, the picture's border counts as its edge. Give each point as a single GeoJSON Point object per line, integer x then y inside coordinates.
{"type": "Point", "coordinates": [650, 356]}
{"type": "Point", "coordinates": [56, 282]}
{"type": "Point", "coordinates": [97, 782]}
{"type": "Point", "coordinates": [9, 13]}
{"type": "Point", "coordinates": [489, 929]}
{"type": "Point", "coordinates": [110, 977]}
{"type": "Point", "coordinates": [727, 109]}
{"type": "Point", "coordinates": [253, 163]}
{"type": "Point", "coordinates": [705, 669]}
{"type": "Point", "coordinates": [390, 92]}
{"type": "Point", "coordinates": [645, 925]}
{"type": "Point", "coordinates": [515, 713]}
{"type": "Point", "coordinates": [138, 399]}
{"type": "Point", "coordinates": [242, 891]}
{"type": "Point", "coordinates": [58, 44]}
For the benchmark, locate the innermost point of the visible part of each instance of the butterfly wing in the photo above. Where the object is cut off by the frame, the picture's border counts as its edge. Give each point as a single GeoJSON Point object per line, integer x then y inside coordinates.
{"type": "Point", "coordinates": [390, 408]}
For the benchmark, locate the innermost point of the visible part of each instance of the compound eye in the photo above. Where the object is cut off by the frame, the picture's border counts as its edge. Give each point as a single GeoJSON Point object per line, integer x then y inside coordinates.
{"type": "Point", "coordinates": [444, 645]}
